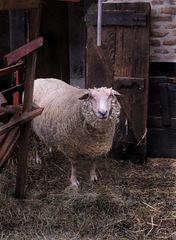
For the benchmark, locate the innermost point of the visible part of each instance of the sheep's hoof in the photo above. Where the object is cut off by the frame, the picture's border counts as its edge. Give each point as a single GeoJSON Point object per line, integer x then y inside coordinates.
{"type": "Point", "coordinates": [93, 177]}
{"type": "Point", "coordinates": [74, 183]}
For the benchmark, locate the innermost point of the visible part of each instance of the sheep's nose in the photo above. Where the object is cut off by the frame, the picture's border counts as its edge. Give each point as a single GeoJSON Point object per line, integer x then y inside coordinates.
{"type": "Point", "coordinates": [103, 113]}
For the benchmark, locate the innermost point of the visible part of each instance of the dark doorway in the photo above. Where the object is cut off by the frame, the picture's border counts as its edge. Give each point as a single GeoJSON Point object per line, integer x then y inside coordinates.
{"type": "Point", "coordinates": [53, 58]}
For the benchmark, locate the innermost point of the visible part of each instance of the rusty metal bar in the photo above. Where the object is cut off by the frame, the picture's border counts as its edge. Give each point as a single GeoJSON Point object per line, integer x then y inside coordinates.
{"type": "Point", "coordinates": [21, 52]}
{"type": "Point", "coordinates": [24, 118]}
{"type": "Point", "coordinates": [8, 70]}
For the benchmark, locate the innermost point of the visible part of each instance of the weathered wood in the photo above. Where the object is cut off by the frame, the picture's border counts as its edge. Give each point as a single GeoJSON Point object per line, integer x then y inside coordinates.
{"type": "Point", "coordinates": [165, 104]}
{"type": "Point", "coordinates": [24, 118]}
{"type": "Point", "coordinates": [157, 122]}
{"type": "Point", "coordinates": [18, 4]}
{"type": "Point", "coordinates": [11, 109]}
{"type": "Point", "coordinates": [14, 89]}
{"type": "Point", "coordinates": [8, 144]}
{"type": "Point", "coordinates": [67, 0]}
{"type": "Point", "coordinates": [129, 61]}
{"type": "Point", "coordinates": [118, 18]}
{"type": "Point", "coordinates": [161, 142]}
{"type": "Point", "coordinates": [8, 70]}
{"type": "Point", "coordinates": [172, 97]}
{"type": "Point", "coordinates": [129, 82]}
{"type": "Point", "coordinates": [34, 25]}
{"type": "Point", "coordinates": [21, 52]}
{"type": "Point", "coordinates": [2, 137]}
{"type": "Point", "coordinates": [99, 70]}
{"type": "Point", "coordinates": [132, 60]}
{"type": "Point", "coordinates": [3, 101]}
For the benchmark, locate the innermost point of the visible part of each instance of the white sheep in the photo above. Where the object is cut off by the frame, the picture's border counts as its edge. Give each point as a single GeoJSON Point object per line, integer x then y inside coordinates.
{"type": "Point", "coordinates": [78, 122]}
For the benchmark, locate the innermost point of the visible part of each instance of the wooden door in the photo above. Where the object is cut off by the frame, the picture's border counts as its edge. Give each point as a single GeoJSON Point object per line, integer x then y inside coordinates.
{"type": "Point", "coordinates": [162, 117]}
{"type": "Point", "coordinates": [123, 63]}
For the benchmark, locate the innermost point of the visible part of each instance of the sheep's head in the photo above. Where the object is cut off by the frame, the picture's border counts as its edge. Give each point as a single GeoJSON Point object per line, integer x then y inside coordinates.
{"type": "Point", "coordinates": [101, 104]}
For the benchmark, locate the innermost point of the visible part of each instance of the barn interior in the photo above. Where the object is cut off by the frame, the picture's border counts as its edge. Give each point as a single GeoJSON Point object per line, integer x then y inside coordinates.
{"type": "Point", "coordinates": [130, 201]}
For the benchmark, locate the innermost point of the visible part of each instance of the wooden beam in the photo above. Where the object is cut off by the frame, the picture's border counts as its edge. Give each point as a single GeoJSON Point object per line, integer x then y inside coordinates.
{"type": "Point", "coordinates": [24, 118]}
{"type": "Point", "coordinates": [21, 52]}
{"type": "Point", "coordinates": [8, 70]}
{"type": "Point", "coordinates": [118, 18]}
{"type": "Point", "coordinates": [19, 4]}
{"type": "Point", "coordinates": [12, 90]}
{"type": "Point", "coordinates": [3, 101]}
{"type": "Point", "coordinates": [53, 1]}
{"type": "Point", "coordinates": [11, 109]}
{"type": "Point", "coordinates": [129, 82]}
{"type": "Point", "coordinates": [8, 144]}
{"type": "Point", "coordinates": [34, 26]}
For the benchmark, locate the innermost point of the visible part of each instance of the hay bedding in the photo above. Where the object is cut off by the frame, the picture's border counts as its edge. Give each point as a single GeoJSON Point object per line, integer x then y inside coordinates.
{"type": "Point", "coordinates": [129, 202]}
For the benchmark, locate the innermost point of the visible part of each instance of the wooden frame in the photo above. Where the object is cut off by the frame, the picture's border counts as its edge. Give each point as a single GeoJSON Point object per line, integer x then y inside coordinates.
{"type": "Point", "coordinates": [21, 52]}
{"type": "Point", "coordinates": [25, 4]}
{"type": "Point", "coordinates": [18, 4]}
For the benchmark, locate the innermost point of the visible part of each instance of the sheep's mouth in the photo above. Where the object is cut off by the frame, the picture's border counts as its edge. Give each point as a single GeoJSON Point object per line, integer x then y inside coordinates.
{"type": "Point", "coordinates": [103, 117]}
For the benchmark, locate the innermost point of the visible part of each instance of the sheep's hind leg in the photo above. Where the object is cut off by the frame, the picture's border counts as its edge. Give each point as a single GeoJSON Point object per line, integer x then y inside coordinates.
{"type": "Point", "coordinates": [93, 175]}
{"type": "Point", "coordinates": [38, 160]}
{"type": "Point", "coordinates": [73, 178]}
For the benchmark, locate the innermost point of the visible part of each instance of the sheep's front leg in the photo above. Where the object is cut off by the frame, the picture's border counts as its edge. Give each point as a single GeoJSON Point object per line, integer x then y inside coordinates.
{"type": "Point", "coordinates": [73, 178]}
{"type": "Point", "coordinates": [93, 175]}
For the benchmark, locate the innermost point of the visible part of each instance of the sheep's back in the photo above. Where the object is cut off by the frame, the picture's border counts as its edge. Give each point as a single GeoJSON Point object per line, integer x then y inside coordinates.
{"type": "Point", "coordinates": [61, 110]}
{"type": "Point", "coordinates": [43, 87]}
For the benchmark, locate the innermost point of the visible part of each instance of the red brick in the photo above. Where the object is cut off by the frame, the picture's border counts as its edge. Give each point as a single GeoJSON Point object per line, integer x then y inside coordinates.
{"type": "Point", "coordinates": [155, 26]}
{"type": "Point", "coordinates": [161, 50]}
{"type": "Point", "coordinates": [170, 58]}
{"type": "Point", "coordinates": [157, 2]}
{"type": "Point", "coordinates": [162, 19]}
{"type": "Point", "coordinates": [154, 12]}
{"type": "Point", "coordinates": [169, 10]}
{"type": "Point", "coordinates": [155, 43]}
{"type": "Point", "coordinates": [173, 2]}
{"type": "Point", "coordinates": [170, 42]}
{"type": "Point", "coordinates": [171, 26]}
{"type": "Point", "coordinates": [158, 34]}
{"type": "Point", "coordinates": [154, 58]}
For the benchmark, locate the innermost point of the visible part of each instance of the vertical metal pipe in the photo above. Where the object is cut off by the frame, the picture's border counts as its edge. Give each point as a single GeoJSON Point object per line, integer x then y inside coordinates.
{"type": "Point", "coordinates": [99, 22]}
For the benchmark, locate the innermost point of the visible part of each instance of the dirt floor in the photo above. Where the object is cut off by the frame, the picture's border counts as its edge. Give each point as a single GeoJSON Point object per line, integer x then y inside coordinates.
{"type": "Point", "coordinates": [129, 202]}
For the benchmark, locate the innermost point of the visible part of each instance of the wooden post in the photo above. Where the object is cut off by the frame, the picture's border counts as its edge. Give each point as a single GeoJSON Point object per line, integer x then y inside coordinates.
{"type": "Point", "coordinates": [34, 23]}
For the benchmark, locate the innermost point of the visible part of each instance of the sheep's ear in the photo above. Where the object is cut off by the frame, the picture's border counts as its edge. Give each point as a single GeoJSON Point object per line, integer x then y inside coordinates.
{"type": "Point", "coordinates": [117, 94]}
{"type": "Point", "coordinates": [85, 96]}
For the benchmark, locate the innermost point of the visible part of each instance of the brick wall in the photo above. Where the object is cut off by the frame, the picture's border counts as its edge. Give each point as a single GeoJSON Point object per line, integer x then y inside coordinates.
{"type": "Point", "coordinates": [163, 29]}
